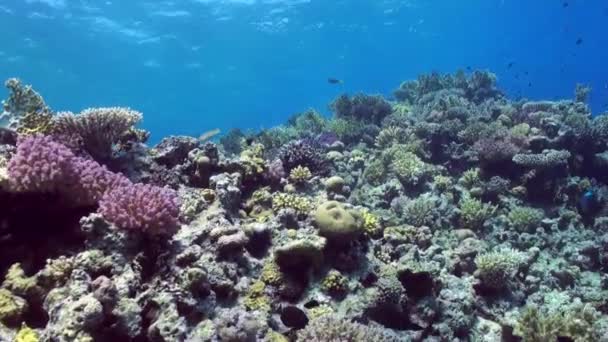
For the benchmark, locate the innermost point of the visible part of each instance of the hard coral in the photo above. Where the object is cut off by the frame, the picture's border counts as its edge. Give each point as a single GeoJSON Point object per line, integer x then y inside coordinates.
{"type": "Point", "coordinates": [140, 206]}
{"type": "Point", "coordinates": [361, 107]}
{"type": "Point", "coordinates": [99, 128]}
{"type": "Point", "coordinates": [302, 153]}
{"type": "Point", "coordinates": [25, 109]}
{"type": "Point", "coordinates": [41, 165]}
{"type": "Point", "coordinates": [334, 329]}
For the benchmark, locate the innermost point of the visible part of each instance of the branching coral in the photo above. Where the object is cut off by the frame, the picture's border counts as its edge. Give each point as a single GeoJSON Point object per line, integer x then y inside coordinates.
{"type": "Point", "coordinates": [302, 153]}
{"type": "Point", "coordinates": [331, 328]}
{"type": "Point", "coordinates": [25, 110]}
{"type": "Point", "coordinates": [473, 212]}
{"type": "Point", "coordinates": [547, 159]}
{"type": "Point", "coordinates": [99, 128]}
{"type": "Point", "coordinates": [495, 268]}
{"type": "Point", "coordinates": [300, 175]}
{"type": "Point", "coordinates": [408, 166]}
{"type": "Point", "coordinates": [524, 218]}
{"type": "Point", "coordinates": [575, 322]}
{"type": "Point", "coordinates": [361, 107]}
{"type": "Point", "coordinates": [301, 205]}
{"type": "Point", "coordinates": [43, 165]}
{"type": "Point", "coordinates": [150, 209]}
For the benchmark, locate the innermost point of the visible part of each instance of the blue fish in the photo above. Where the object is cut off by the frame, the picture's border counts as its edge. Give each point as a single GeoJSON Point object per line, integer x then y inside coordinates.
{"type": "Point", "coordinates": [589, 203]}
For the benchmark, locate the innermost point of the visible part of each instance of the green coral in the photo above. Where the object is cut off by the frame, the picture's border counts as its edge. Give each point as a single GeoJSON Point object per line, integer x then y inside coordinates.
{"type": "Point", "coordinates": [330, 328]}
{"type": "Point", "coordinates": [300, 204]}
{"type": "Point", "coordinates": [371, 223]}
{"type": "Point", "coordinates": [496, 268]}
{"type": "Point", "coordinates": [12, 307]}
{"type": "Point", "coordinates": [300, 174]}
{"type": "Point", "coordinates": [520, 130]}
{"type": "Point", "coordinates": [19, 284]}
{"type": "Point", "coordinates": [525, 218]}
{"type": "Point", "coordinates": [309, 122]}
{"type": "Point", "coordinates": [273, 336]}
{"type": "Point", "coordinates": [335, 284]}
{"type": "Point", "coordinates": [39, 122]}
{"type": "Point", "coordinates": [420, 211]}
{"type": "Point", "coordinates": [578, 322]}
{"type": "Point", "coordinates": [319, 311]}
{"type": "Point", "coordinates": [256, 298]}
{"type": "Point", "coordinates": [253, 161]}
{"type": "Point", "coordinates": [408, 166]}
{"type": "Point", "coordinates": [27, 334]}
{"type": "Point", "coordinates": [470, 178]}
{"type": "Point", "coordinates": [337, 222]}
{"type": "Point", "coordinates": [271, 274]}
{"type": "Point", "coordinates": [389, 135]}
{"type": "Point", "coordinates": [473, 212]}
{"type": "Point", "coordinates": [375, 171]}
{"type": "Point", "coordinates": [348, 131]}
{"type": "Point", "coordinates": [442, 183]}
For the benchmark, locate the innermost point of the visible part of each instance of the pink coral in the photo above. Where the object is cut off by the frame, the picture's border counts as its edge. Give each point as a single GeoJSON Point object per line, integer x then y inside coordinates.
{"type": "Point", "coordinates": [46, 166]}
{"type": "Point", "coordinates": [152, 209]}
{"type": "Point", "coordinates": [40, 165]}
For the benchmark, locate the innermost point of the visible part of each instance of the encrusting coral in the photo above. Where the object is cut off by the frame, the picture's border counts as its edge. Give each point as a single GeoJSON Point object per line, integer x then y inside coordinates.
{"type": "Point", "coordinates": [449, 213]}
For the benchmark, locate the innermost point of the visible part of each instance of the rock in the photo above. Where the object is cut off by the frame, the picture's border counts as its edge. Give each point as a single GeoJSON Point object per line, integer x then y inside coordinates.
{"type": "Point", "coordinates": [334, 184]}
{"type": "Point", "coordinates": [172, 151]}
{"type": "Point", "coordinates": [334, 155]}
{"type": "Point", "coordinates": [301, 253]}
{"type": "Point", "coordinates": [462, 234]}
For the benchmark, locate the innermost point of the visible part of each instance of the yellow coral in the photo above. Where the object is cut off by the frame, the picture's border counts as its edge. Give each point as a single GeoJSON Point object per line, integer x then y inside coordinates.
{"type": "Point", "coordinates": [27, 334]}
{"type": "Point", "coordinates": [36, 122]}
{"type": "Point", "coordinates": [18, 283]}
{"type": "Point", "coordinates": [300, 204]}
{"type": "Point", "coordinates": [271, 274]}
{"type": "Point", "coordinates": [256, 299]}
{"type": "Point", "coordinates": [253, 160]}
{"type": "Point", "coordinates": [300, 174]}
{"type": "Point", "coordinates": [371, 224]}
{"type": "Point", "coordinates": [442, 183]}
{"type": "Point", "coordinates": [334, 283]}
{"type": "Point", "coordinates": [11, 307]}
{"type": "Point", "coordinates": [319, 311]}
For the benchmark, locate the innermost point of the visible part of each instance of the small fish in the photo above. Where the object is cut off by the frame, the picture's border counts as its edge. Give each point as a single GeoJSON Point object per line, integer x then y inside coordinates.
{"type": "Point", "coordinates": [249, 141]}
{"type": "Point", "coordinates": [526, 73]}
{"type": "Point", "coordinates": [209, 135]}
{"type": "Point", "coordinates": [334, 81]}
{"type": "Point", "coordinates": [529, 84]}
{"type": "Point", "coordinates": [565, 4]}
{"type": "Point", "coordinates": [469, 68]}
{"type": "Point", "coordinates": [579, 41]}
{"type": "Point", "coordinates": [589, 203]}
{"type": "Point", "coordinates": [510, 65]}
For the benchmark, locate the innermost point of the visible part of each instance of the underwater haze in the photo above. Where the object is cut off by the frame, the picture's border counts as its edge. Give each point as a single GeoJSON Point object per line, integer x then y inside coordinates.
{"type": "Point", "coordinates": [195, 65]}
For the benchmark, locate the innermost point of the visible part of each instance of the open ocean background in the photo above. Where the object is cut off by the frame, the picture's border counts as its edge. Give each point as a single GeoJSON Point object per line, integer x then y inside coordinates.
{"type": "Point", "coordinates": [194, 65]}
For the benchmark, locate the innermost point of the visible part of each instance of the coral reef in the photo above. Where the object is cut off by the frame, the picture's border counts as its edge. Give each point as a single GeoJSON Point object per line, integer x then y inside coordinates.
{"type": "Point", "coordinates": [449, 214]}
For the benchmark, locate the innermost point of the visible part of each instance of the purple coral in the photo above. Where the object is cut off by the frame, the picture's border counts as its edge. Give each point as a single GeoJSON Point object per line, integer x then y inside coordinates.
{"type": "Point", "coordinates": [302, 153]}
{"type": "Point", "coordinates": [152, 209]}
{"type": "Point", "coordinates": [275, 171]}
{"type": "Point", "coordinates": [40, 165]}
{"type": "Point", "coordinates": [46, 166]}
{"type": "Point", "coordinates": [496, 150]}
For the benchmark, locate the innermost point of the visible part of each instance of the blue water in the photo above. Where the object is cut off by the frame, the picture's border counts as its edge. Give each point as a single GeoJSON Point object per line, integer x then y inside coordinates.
{"type": "Point", "coordinates": [195, 65]}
